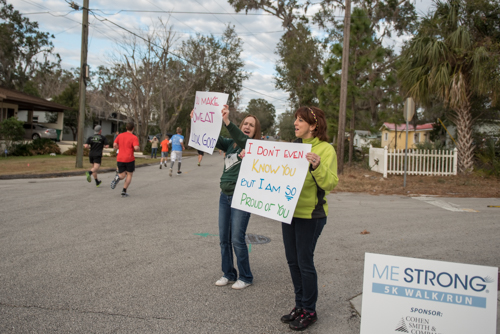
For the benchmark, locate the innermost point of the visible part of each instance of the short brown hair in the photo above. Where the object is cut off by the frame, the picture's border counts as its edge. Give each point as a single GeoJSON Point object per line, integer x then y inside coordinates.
{"type": "Point", "coordinates": [314, 115]}
{"type": "Point", "coordinates": [179, 130]}
{"type": "Point", "coordinates": [130, 126]}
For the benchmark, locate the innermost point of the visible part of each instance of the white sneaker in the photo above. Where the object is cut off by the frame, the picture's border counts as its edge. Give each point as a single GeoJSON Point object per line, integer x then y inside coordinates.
{"type": "Point", "coordinates": [240, 285]}
{"type": "Point", "coordinates": [223, 281]}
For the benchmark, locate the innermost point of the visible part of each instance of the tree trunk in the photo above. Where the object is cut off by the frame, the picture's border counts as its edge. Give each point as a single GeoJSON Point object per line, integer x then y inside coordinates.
{"type": "Point", "coordinates": [465, 145]}
{"type": "Point", "coordinates": [395, 136]}
{"type": "Point", "coordinates": [351, 133]}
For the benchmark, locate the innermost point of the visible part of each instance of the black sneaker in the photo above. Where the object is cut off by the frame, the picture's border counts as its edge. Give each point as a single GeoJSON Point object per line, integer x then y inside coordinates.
{"type": "Point", "coordinates": [287, 318]}
{"type": "Point", "coordinates": [98, 183]}
{"type": "Point", "coordinates": [179, 172]}
{"type": "Point", "coordinates": [115, 181]}
{"type": "Point", "coordinates": [305, 320]}
{"type": "Point", "coordinates": [160, 166]}
{"type": "Point", "coordinates": [124, 194]}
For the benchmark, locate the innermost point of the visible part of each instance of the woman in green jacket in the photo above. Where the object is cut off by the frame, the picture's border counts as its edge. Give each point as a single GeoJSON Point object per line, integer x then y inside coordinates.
{"type": "Point", "coordinates": [233, 222]}
{"type": "Point", "coordinates": [310, 215]}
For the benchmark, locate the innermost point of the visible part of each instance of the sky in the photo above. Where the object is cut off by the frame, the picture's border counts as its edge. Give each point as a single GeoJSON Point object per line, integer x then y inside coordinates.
{"type": "Point", "coordinates": [260, 33]}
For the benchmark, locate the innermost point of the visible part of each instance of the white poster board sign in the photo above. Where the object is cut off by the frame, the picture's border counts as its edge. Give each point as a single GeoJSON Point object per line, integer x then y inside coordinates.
{"type": "Point", "coordinates": [207, 120]}
{"type": "Point", "coordinates": [271, 178]}
{"type": "Point", "coordinates": [407, 295]}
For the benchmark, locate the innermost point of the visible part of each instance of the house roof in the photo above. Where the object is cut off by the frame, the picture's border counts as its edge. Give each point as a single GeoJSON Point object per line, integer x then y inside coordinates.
{"type": "Point", "coordinates": [28, 102]}
{"type": "Point", "coordinates": [402, 127]}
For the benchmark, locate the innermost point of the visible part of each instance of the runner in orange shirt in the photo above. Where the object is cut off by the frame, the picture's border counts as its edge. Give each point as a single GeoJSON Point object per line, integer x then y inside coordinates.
{"type": "Point", "coordinates": [164, 151]}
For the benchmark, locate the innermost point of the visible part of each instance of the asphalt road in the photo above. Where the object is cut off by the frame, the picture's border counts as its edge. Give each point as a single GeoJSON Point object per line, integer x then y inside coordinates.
{"type": "Point", "coordinates": [79, 259]}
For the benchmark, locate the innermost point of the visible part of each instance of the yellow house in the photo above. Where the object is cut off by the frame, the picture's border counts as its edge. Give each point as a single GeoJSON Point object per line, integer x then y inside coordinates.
{"type": "Point", "coordinates": [420, 134]}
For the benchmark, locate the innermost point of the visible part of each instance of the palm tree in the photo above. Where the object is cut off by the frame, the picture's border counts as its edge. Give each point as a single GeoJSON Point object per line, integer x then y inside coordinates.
{"type": "Point", "coordinates": [452, 58]}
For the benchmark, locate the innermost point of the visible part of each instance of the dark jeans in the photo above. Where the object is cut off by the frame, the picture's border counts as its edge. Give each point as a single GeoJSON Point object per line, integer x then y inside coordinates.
{"type": "Point", "coordinates": [232, 229]}
{"type": "Point", "coordinates": [300, 239]}
{"type": "Point", "coordinates": [153, 152]}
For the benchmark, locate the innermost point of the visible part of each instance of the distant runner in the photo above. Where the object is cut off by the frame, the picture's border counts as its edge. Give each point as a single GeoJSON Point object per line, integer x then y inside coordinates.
{"type": "Point", "coordinates": [164, 151]}
{"type": "Point", "coordinates": [177, 141]}
{"type": "Point", "coordinates": [96, 143]}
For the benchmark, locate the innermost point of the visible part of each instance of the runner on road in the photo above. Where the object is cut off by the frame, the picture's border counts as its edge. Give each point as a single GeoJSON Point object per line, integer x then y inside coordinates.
{"type": "Point", "coordinates": [164, 151]}
{"type": "Point", "coordinates": [96, 143]}
{"type": "Point", "coordinates": [177, 141]}
{"type": "Point", "coordinates": [127, 143]}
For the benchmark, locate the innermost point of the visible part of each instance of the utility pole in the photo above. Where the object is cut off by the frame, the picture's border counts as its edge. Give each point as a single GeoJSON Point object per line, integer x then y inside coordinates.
{"type": "Point", "coordinates": [343, 88]}
{"type": "Point", "coordinates": [83, 83]}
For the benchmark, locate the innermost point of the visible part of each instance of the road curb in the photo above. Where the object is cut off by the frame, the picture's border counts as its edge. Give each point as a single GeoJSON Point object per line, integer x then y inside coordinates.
{"type": "Point", "coordinates": [62, 174]}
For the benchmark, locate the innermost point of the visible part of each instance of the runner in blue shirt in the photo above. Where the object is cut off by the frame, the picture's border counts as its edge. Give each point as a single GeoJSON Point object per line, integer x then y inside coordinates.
{"type": "Point", "coordinates": [177, 142]}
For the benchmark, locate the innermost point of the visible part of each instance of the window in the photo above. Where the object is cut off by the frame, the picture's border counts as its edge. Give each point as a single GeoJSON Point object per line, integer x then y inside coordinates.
{"type": "Point", "coordinates": [386, 136]}
{"type": "Point", "coordinates": [417, 137]}
{"type": "Point", "coordinates": [35, 119]}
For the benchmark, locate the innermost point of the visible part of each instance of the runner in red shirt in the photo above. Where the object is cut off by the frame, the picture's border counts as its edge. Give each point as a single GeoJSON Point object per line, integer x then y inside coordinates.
{"type": "Point", "coordinates": [126, 143]}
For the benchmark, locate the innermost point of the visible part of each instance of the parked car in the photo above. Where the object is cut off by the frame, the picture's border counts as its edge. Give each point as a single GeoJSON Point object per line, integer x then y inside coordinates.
{"type": "Point", "coordinates": [38, 131]}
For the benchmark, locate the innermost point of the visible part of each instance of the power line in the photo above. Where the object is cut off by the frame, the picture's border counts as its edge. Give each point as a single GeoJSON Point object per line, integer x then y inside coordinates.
{"type": "Point", "coordinates": [175, 12]}
{"type": "Point", "coordinates": [131, 32]}
{"type": "Point", "coordinates": [176, 31]}
{"type": "Point", "coordinates": [170, 52]}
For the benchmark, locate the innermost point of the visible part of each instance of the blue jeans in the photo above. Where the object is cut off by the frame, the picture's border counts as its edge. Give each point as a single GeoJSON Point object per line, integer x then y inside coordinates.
{"type": "Point", "coordinates": [232, 229]}
{"type": "Point", "coordinates": [300, 238]}
{"type": "Point", "coordinates": [153, 152]}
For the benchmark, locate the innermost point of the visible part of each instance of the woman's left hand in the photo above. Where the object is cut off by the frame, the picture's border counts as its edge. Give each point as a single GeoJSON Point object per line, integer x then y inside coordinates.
{"type": "Point", "coordinates": [313, 159]}
{"type": "Point", "coordinates": [242, 154]}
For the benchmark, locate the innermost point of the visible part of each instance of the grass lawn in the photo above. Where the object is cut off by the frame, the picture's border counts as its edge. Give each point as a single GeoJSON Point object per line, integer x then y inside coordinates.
{"type": "Point", "coordinates": [42, 164]}
{"type": "Point", "coordinates": [359, 179]}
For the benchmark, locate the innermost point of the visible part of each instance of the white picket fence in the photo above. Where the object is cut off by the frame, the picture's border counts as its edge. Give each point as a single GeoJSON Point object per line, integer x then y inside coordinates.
{"type": "Point", "coordinates": [420, 162]}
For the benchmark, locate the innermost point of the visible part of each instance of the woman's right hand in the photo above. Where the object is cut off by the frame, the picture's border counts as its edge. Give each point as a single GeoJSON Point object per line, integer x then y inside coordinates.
{"type": "Point", "coordinates": [191, 114]}
{"type": "Point", "coordinates": [225, 114]}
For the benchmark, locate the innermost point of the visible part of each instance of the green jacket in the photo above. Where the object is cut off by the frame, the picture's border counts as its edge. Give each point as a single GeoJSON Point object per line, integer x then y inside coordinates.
{"type": "Point", "coordinates": [232, 161]}
{"type": "Point", "coordinates": [312, 200]}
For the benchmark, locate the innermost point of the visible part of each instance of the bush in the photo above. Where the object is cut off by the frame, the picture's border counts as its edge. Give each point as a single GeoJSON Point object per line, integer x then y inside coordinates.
{"type": "Point", "coordinates": [110, 139]}
{"type": "Point", "coordinates": [72, 151]}
{"type": "Point", "coordinates": [40, 146]}
{"type": "Point", "coordinates": [376, 143]}
{"type": "Point", "coordinates": [11, 130]}
{"type": "Point", "coordinates": [44, 146]}
{"type": "Point", "coordinates": [21, 150]}
{"type": "Point", "coordinates": [488, 159]}
{"type": "Point", "coordinates": [147, 149]}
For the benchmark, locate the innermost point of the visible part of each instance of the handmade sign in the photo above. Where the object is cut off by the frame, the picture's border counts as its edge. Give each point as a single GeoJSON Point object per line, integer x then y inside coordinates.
{"type": "Point", "coordinates": [407, 295]}
{"type": "Point", "coordinates": [271, 178]}
{"type": "Point", "coordinates": [207, 120]}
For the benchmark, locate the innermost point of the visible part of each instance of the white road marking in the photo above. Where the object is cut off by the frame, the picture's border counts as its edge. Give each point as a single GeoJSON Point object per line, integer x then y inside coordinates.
{"type": "Point", "coordinates": [443, 205]}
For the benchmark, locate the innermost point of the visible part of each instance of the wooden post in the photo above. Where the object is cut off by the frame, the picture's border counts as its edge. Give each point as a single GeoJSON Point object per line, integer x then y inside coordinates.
{"type": "Point", "coordinates": [343, 88]}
